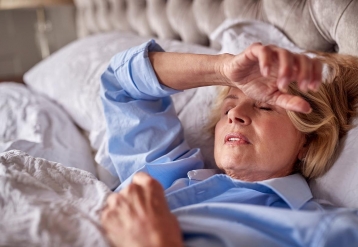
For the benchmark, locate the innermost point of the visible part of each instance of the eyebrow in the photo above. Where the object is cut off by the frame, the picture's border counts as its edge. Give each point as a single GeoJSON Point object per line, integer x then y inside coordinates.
{"type": "Point", "coordinates": [231, 96]}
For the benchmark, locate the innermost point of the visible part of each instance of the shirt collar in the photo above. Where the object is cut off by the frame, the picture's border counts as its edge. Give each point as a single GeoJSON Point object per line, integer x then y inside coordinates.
{"type": "Point", "coordinates": [293, 189]}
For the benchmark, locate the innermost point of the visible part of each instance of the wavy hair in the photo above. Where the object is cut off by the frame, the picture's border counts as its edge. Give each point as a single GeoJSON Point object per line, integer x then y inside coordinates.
{"type": "Point", "coordinates": [333, 108]}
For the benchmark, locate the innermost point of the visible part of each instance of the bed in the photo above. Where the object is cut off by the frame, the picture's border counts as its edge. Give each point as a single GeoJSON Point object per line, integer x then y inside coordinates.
{"type": "Point", "coordinates": [53, 145]}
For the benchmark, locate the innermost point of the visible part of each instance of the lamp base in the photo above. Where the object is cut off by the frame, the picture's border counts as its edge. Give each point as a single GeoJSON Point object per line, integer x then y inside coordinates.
{"type": "Point", "coordinates": [42, 27]}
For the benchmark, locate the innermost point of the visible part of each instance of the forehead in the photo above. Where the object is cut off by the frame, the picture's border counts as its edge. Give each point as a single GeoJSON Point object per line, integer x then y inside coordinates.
{"type": "Point", "coordinates": [235, 93]}
{"type": "Point", "coordinates": [234, 90]}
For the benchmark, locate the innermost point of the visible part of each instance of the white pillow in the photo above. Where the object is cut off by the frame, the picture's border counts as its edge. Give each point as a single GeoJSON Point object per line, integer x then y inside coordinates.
{"type": "Point", "coordinates": [340, 184]}
{"type": "Point", "coordinates": [71, 77]}
{"type": "Point", "coordinates": [37, 126]}
{"type": "Point", "coordinates": [235, 35]}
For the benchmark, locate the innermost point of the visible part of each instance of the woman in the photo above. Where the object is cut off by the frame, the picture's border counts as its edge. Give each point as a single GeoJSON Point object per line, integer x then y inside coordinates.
{"type": "Point", "coordinates": [264, 138]}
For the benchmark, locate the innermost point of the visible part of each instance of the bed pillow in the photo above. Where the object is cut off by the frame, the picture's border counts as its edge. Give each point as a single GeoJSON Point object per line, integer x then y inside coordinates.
{"type": "Point", "coordinates": [71, 78]}
{"type": "Point", "coordinates": [340, 184]}
{"type": "Point", "coordinates": [35, 125]}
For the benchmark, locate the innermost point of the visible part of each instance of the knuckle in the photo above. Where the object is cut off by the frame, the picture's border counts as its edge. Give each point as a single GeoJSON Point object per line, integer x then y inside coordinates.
{"type": "Point", "coordinates": [144, 178]}
{"type": "Point", "coordinates": [285, 71]}
{"type": "Point", "coordinates": [256, 44]}
{"type": "Point", "coordinates": [271, 46]}
{"type": "Point", "coordinates": [151, 182]}
{"type": "Point", "coordinates": [285, 52]}
{"type": "Point", "coordinates": [112, 198]}
{"type": "Point", "coordinates": [132, 188]}
{"type": "Point", "coordinates": [140, 176]}
{"type": "Point", "coordinates": [265, 48]}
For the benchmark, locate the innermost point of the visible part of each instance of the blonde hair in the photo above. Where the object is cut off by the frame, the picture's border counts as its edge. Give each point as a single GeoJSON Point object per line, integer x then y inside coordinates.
{"type": "Point", "coordinates": [333, 108]}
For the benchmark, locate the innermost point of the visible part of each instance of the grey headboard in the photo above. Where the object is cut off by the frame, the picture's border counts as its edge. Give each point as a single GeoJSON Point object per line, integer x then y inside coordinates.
{"type": "Point", "coordinates": [326, 25]}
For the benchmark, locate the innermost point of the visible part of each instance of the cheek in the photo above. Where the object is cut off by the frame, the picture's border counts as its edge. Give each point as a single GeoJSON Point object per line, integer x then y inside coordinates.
{"type": "Point", "coordinates": [217, 138]}
{"type": "Point", "coordinates": [218, 129]}
{"type": "Point", "coordinates": [280, 134]}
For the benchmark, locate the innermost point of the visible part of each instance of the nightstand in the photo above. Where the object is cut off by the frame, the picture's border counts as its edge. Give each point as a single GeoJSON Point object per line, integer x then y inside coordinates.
{"type": "Point", "coordinates": [30, 31]}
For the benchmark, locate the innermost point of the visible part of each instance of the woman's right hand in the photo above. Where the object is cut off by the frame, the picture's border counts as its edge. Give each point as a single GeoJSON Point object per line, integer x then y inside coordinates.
{"type": "Point", "coordinates": [138, 216]}
{"type": "Point", "coordinates": [265, 72]}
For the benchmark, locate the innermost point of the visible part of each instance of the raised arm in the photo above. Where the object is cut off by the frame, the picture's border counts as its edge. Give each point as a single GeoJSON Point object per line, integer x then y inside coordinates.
{"type": "Point", "coordinates": [144, 133]}
{"type": "Point", "coordinates": [261, 72]}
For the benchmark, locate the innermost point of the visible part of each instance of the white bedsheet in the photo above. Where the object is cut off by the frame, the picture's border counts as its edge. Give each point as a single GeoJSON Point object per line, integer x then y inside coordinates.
{"type": "Point", "coordinates": [44, 203]}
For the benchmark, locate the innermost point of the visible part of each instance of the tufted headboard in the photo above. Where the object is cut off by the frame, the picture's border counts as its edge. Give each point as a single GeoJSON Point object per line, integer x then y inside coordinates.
{"type": "Point", "coordinates": [310, 24]}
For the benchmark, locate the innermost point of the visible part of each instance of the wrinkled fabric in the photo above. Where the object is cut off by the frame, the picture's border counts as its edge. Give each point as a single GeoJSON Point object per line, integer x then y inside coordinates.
{"type": "Point", "coordinates": [44, 203]}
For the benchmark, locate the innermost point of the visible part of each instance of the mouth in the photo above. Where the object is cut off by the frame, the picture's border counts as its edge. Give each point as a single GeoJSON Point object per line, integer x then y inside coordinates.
{"type": "Point", "coordinates": [236, 138]}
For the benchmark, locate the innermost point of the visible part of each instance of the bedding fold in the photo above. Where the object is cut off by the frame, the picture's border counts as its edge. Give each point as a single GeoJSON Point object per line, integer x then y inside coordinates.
{"type": "Point", "coordinates": [44, 203]}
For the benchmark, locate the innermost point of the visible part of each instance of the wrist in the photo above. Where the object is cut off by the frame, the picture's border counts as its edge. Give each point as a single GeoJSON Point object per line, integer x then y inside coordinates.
{"type": "Point", "coordinates": [221, 67]}
{"type": "Point", "coordinates": [158, 240]}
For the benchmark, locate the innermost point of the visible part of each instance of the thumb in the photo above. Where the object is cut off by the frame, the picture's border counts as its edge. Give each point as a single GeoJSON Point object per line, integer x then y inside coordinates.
{"type": "Point", "coordinates": [293, 103]}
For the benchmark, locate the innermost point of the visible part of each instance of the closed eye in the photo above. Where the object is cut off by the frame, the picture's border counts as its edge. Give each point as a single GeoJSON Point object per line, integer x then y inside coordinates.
{"type": "Point", "coordinates": [265, 108]}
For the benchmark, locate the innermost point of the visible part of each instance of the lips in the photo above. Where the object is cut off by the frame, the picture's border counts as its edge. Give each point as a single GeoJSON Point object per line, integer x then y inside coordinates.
{"type": "Point", "coordinates": [236, 138]}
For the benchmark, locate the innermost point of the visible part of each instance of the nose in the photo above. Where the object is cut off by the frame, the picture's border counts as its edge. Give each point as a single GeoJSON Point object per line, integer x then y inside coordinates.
{"type": "Point", "coordinates": [238, 115]}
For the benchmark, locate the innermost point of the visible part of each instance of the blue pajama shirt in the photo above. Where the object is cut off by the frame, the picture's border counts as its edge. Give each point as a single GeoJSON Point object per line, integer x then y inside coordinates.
{"type": "Point", "coordinates": [213, 209]}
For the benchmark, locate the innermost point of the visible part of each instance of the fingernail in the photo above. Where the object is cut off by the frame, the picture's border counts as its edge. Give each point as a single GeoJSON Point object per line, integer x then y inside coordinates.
{"type": "Point", "coordinates": [312, 87]}
{"type": "Point", "coordinates": [304, 86]}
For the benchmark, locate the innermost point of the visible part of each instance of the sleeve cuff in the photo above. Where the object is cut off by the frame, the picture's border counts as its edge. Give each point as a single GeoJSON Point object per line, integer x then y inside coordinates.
{"type": "Point", "coordinates": [134, 65]}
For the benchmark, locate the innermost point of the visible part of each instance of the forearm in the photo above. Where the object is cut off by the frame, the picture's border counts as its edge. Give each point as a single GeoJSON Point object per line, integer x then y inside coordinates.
{"type": "Point", "coordinates": [182, 71]}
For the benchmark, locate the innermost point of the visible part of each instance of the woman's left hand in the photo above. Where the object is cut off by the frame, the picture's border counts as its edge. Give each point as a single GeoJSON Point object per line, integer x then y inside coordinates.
{"type": "Point", "coordinates": [139, 216]}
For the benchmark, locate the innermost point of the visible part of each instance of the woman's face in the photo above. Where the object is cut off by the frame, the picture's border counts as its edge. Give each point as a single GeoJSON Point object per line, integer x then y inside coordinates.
{"type": "Point", "coordinates": [255, 141]}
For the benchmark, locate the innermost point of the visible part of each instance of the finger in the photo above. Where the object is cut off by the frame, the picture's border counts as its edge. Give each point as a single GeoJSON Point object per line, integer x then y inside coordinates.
{"type": "Point", "coordinates": [140, 177]}
{"type": "Point", "coordinates": [262, 54]}
{"type": "Point", "coordinates": [133, 194]}
{"type": "Point", "coordinates": [112, 229]}
{"type": "Point", "coordinates": [265, 56]}
{"type": "Point", "coordinates": [316, 75]}
{"type": "Point", "coordinates": [136, 199]}
{"type": "Point", "coordinates": [104, 215]}
{"type": "Point", "coordinates": [285, 70]}
{"type": "Point", "coordinates": [145, 180]}
{"type": "Point", "coordinates": [113, 200]}
{"type": "Point", "coordinates": [154, 192]}
{"type": "Point", "coordinates": [252, 52]}
{"type": "Point", "coordinates": [127, 206]}
{"type": "Point", "coordinates": [110, 217]}
{"type": "Point", "coordinates": [293, 103]}
{"type": "Point", "coordinates": [304, 72]}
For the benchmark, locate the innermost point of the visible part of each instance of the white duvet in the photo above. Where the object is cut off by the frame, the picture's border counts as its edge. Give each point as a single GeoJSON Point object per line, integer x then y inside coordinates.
{"type": "Point", "coordinates": [43, 203]}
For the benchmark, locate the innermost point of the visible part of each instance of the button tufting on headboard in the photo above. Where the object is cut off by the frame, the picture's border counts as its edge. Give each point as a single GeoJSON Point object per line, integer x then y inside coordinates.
{"type": "Point", "coordinates": [158, 21]}
{"type": "Point", "coordinates": [311, 24]}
